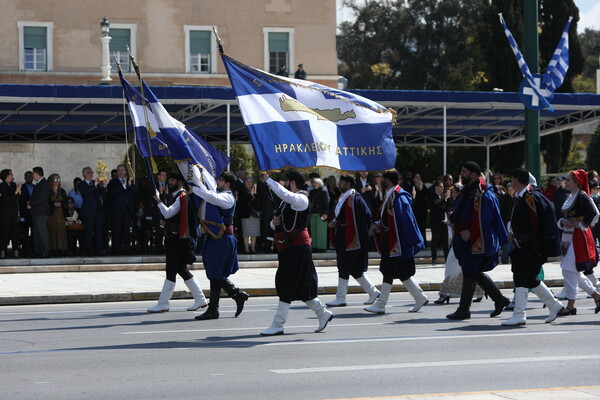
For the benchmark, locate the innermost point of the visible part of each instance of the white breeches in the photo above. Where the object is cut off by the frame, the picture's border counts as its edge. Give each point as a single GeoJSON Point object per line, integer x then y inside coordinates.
{"type": "Point", "coordinates": [572, 277]}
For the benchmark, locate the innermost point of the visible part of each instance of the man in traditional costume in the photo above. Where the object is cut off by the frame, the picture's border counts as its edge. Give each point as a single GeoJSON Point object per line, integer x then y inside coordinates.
{"type": "Point", "coordinates": [296, 276]}
{"type": "Point", "coordinates": [533, 231]}
{"type": "Point", "coordinates": [219, 247]}
{"type": "Point", "coordinates": [351, 223]}
{"type": "Point", "coordinates": [477, 235]}
{"type": "Point", "coordinates": [398, 239]}
{"type": "Point", "coordinates": [181, 230]}
{"type": "Point", "coordinates": [579, 215]}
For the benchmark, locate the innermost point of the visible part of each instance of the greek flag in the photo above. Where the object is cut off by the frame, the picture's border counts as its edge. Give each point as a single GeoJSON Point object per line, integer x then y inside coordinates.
{"type": "Point", "coordinates": [159, 134]}
{"type": "Point", "coordinates": [523, 65]}
{"type": "Point", "coordinates": [559, 63]}
{"type": "Point", "coordinates": [296, 123]}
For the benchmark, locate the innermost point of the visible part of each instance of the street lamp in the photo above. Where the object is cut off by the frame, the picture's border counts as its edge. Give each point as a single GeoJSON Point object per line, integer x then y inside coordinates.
{"type": "Point", "coordinates": [105, 40]}
{"type": "Point", "coordinates": [361, 29]}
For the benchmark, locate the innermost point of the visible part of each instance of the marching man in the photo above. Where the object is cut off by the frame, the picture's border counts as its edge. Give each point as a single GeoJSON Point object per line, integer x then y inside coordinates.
{"type": "Point", "coordinates": [296, 277]}
{"type": "Point", "coordinates": [181, 232]}
{"type": "Point", "coordinates": [351, 223]}
{"type": "Point", "coordinates": [398, 239]}
{"type": "Point", "coordinates": [533, 230]}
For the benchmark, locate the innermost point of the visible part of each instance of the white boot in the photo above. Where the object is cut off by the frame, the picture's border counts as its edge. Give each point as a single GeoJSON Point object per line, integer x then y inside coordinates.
{"type": "Point", "coordinates": [417, 293]}
{"type": "Point", "coordinates": [368, 287]}
{"type": "Point", "coordinates": [545, 295]}
{"type": "Point", "coordinates": [163, 299]}
{"type": "Point", "coordinates": [340, 294]}
{"type": "Point", "coordinates": [518, 317]}
{"type": "Point", "coordinates": [276, 327]}
{"type": "Point", "coordinates": [323, 314]}
{"type": "Point", "coordinates": [199, 299]}
{"type": "Point", "coordinates": [562, 295]}
{"type": "Point", "coordinates": [378, 307]}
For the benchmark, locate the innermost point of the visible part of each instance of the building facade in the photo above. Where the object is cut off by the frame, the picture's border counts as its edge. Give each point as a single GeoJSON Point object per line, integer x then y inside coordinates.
{"type": "Point", "coordinates": [58, 41]}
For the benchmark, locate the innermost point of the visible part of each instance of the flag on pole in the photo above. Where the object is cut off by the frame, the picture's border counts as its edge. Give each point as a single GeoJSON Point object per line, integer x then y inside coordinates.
{"type": "Point", "coordinates": [157, 133]}
{"type": "Point", "coordinates": [168, 136]}
{"type": "Point", "coordinates": [559, 63]}
{"type": "Point", "coordinates": [296, 123]}
{"type": "Point", "coordinates": [523, 65]}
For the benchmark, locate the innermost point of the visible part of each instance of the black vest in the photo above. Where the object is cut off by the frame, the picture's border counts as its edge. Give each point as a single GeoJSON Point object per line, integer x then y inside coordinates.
{"type": "Point", "coordinates": [291, 219]}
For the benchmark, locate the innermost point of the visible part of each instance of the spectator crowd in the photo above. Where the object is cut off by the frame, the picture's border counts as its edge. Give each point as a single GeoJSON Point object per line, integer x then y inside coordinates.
{"type": "Point", "coordinates": [119, 216]}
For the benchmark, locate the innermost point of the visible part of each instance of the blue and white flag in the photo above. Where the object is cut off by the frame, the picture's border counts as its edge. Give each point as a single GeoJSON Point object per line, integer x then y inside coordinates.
{"type": "Point", "coordinates": [296, 123]}
{"type": "Point", "coordinates": [198, 161]}
{"type": "Point", "coordinates": [559, 63]}
{"type": "Point", "coordinates": [523, 65]}
{"type": "Point", "coordinates": [159, 134]}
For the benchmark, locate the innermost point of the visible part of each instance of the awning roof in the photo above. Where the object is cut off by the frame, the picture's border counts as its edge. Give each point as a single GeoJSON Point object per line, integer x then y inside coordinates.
{"type": "Point", "coordinates": [63, 113]}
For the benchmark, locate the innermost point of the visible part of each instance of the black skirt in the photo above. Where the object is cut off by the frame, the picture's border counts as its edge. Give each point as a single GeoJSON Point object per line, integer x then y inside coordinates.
{"type": "Point", "coordinates": [296, 277]}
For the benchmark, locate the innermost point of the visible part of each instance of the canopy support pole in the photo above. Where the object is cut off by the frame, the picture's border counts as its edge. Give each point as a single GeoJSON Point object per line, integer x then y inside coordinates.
{"type": "Point", "coordinates": [229, 135]}
{"type": "Point", "coordinates": [445, 144]}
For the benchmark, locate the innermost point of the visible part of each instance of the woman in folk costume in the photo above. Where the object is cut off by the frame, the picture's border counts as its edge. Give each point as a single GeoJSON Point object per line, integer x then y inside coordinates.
{"type": "Point", "coordinates": [351, 223]}
{"type": "Point", "coordinates": [296, 276]}
{"type": "Point", "coordinates": [477, 236]}
{"type": "Point", "coordinates": [398, 239]}
{"type": "Point", "coordinates": [579, 214]}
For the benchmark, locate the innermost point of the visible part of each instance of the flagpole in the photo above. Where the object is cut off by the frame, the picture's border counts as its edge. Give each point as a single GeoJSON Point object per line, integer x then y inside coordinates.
{"type": "Point", "coordinates": [150, 164]}
{"type": "Point", "coordinates": [532, 117]}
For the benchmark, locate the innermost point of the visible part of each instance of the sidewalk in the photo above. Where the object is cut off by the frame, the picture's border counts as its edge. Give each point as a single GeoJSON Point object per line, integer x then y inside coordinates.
{"type": "Point", "coordinates": [140, 278]}
{"type": "Point", "coordinates": [559, 393]}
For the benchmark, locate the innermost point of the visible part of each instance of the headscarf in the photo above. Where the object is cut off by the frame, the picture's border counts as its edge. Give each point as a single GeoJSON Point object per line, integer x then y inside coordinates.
{"type": "Point", "coordinates": [581, 177]}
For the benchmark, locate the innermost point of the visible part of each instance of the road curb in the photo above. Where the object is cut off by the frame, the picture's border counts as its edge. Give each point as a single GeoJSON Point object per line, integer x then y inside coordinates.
{"type": "Point", "coordinates": [147, 296]}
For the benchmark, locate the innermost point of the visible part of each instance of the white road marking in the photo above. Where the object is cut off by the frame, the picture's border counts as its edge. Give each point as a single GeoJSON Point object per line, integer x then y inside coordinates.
{"type": "Point", "coordinates": [248, 328]}
{"type": "Point", "coordinates": [441, 363]}
{"type": "Point", "coordinates": [408, 338]}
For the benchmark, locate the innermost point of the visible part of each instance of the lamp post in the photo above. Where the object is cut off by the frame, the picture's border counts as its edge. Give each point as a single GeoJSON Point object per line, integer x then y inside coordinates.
{"type": "Point", "coordinates": [105, 40]}
{"type": "Point", "coordinates": [361, 29]}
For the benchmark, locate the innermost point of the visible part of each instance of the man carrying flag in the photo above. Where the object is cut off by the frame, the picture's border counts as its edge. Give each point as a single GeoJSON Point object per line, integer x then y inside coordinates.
{"type": "Point", "coordinates": [181, 231]}
{"type": "Point", "coordinates": [219, 251]}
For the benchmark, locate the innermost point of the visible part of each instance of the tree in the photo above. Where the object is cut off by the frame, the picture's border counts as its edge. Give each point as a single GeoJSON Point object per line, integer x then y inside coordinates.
{"type": "Point", "coordinates": [590, 49]}
{"type": "Point", "coordinates": [593, 151]}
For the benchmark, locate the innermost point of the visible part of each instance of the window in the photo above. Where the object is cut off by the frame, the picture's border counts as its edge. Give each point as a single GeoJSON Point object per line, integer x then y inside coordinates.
{"type": "Point", "coordinates": [200, 50]}
{"type": "Point", "coordinates": [279, 48]}
{"type": "Point", "coordinates": [35, 46]}
{"type": "Point", "coordinates": [120, 40]}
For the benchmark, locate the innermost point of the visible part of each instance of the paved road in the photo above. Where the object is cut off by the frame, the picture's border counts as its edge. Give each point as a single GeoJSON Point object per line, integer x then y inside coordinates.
{"type": "Point", "coordinates": [118, 351]}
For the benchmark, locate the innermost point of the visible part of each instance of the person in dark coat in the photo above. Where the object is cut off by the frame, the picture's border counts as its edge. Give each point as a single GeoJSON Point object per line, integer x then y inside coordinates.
{"type": "Point", "coordinates": [476, 240]}
{"type": "Point", "coordinates": [398, 239]}
{"type": "Point", "coordinates": [268, 204]}
{"type": "Point", "coordinates": [92, 213]}
{"type": "Point", "coordinates": [319, 211]}
{"type": "Point", "coordinates": [9, 213]}
{"type": "Point", "coordinates": [560, 196]}
{"type": "Point", "coordinates": [25, 222]}
{"type": "Point", "coordinates": [364, 187]}
{"type": "Point", "coordinates": [351, 222]}
{"type": "Point", "coordinates": [437, 215]}
{"type": "Point", "coordinates": [122, 192]}
{"type": "Point", "coordinates": [533, 230]}
{"type": "Point", "coordinates": [38, 204]}
{"type": "Point", "coordinates": [300, 72]}
{"type": "Point", "coordinates": [420, 204]}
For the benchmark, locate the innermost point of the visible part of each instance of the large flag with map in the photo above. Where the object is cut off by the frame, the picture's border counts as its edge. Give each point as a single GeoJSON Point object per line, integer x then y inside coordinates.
{"type": "Point", "coordinates": [297, 123]}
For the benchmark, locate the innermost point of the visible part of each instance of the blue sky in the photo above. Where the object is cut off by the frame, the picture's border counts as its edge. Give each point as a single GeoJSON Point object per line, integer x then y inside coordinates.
{"type": "Point", "coordinates": [589, 14]}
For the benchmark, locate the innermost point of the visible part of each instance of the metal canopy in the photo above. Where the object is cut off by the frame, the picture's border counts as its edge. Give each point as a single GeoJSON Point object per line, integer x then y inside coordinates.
{"type": "Point", "coordinates": [63, 113]}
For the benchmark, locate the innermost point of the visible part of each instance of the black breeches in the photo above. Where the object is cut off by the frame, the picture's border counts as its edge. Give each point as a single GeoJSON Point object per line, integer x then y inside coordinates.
{"type": "Point", "coordinates": [346, 275]}
{"type": "Point", "coordinates": [526, 266]}
{"type": "Point", "coordinates": [179, 254]}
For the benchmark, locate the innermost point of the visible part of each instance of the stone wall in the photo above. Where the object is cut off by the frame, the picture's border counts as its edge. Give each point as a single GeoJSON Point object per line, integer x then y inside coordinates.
{"type": "Point", "coordinates": [66, 159]}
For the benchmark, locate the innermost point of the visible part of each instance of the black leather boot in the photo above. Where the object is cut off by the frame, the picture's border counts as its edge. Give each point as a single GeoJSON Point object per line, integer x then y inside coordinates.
{"type": "Point", "coordinates": [240, 297]}
{"type": "Point", "coordinates": [466, 296]}
{"type": "Point", "coordinates": [213, 307]}
{"type": "Point", "coordinates": [487, 284]}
